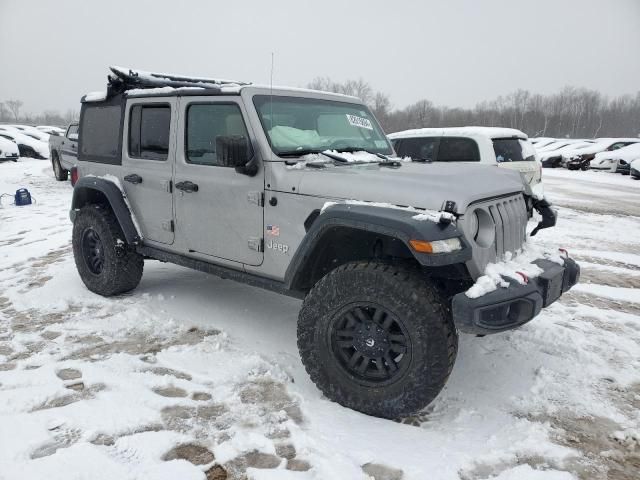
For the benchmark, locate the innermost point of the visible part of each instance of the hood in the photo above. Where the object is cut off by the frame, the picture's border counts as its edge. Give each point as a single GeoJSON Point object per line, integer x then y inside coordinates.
{"type": "Point", "coordinates": [420, 185]}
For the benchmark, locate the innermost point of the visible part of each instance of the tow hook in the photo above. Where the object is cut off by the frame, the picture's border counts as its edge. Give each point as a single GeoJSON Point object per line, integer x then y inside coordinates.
{"type": "Point", "coordinates": [564, 252]}
{"type": "Point", "coordinates": [524, 276]}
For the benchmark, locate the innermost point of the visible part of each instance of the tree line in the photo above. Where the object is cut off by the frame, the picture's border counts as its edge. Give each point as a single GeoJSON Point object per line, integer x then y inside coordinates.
{"type": "Point", "coordinates": [571, 113]}
{"type": "Point", "coordinates": [11, 112]}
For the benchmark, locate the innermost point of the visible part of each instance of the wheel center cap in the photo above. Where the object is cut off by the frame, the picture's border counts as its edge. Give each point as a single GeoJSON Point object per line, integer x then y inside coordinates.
{"type": "Point", "coordinates": [370, 342]}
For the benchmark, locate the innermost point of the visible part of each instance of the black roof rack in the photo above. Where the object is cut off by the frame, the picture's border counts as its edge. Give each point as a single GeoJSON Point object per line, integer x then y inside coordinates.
{"type": "Point", "coordinates": [124, 79]}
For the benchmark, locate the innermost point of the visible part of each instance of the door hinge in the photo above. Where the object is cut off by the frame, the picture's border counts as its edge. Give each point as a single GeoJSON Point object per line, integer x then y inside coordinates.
{"type": "Point", "coordinates": [257, 198]}
{"type": "Point", "coordinates": [256, 244]}
{"type": "Point", "coordinates": [168, 225]}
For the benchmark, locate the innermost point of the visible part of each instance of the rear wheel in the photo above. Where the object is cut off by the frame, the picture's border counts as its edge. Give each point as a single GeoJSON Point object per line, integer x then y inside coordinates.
{"type": "Point", "coordinates": [60, 173]}
{"type": "Point", "coordinates": [106, 264]}
{"type": "Point", "coordinates": [377, 338]}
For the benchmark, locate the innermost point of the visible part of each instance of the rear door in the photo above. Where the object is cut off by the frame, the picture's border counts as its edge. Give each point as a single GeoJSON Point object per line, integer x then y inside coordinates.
{"type": "Point", "coordinates": [219, 212]}
{"type": "Point", "coordinates": [148, 156]}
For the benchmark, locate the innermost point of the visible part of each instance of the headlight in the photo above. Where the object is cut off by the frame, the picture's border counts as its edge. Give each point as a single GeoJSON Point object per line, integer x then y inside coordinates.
{"type": "Point", "coordinates": [485, 232]}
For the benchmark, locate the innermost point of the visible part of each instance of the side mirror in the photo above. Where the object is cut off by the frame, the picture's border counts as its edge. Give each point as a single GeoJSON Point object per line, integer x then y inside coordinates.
{"type": "Point", "coordinates": [233, 151]}
{"type": "Point", "coordinates": [73, 136]}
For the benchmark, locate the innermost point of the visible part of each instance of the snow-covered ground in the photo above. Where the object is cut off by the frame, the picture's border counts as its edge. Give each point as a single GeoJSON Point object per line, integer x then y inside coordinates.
{"type": "Point", "coordinates": [108, 388]}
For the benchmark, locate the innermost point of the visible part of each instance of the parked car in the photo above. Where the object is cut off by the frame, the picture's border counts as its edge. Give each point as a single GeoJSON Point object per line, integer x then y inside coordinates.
{"type": "Point", "coordinates": [64, 152]}
{"type": "Point", "coordinates": [634, 168]}
{"type": "Point", "coordinates": [30, 131]}
{"type": "Point", "coordinates": [51, 130]}
{"type": "Point", "coordinates": [617, 160]}
{"type": "Point", "coordinates": [8, 150]}
{"type": "Point", "coordinates": [557, 144]}
{"type": "Point", "coordinates": [552, 158]}
{"type": "Point", "coordinates": [28, 146]}
{"type": "Point", "coordinates": [580, 159]}
{"type": "Point", "coordinates": [295, 191]}
{"type": "Point", "coordinates": [502, 147]}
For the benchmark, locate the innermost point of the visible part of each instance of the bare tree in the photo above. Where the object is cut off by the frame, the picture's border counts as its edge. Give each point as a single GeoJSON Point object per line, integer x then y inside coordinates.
{"type": "Point", "coordinates": [14, 106]}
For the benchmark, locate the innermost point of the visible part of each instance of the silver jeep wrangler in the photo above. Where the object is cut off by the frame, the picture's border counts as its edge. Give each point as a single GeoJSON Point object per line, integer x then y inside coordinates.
{"type": "Point", "coordinates": [298, 192]}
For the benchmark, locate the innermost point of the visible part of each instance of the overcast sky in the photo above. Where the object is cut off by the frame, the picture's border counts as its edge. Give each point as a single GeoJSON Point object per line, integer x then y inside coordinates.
{"type": "Point", "coordinates": [453, 52]}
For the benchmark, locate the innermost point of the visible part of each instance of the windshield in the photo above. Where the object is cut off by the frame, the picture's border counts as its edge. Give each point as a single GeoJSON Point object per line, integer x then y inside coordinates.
{"type": "Point", "coordinates": [302, 125]}
{"type": "Point", "coordinates": [513, 150]}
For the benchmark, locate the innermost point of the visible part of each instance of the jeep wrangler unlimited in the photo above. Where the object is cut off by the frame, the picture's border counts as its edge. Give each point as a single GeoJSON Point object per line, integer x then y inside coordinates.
{"type": "Point", "coordinates": [297, 191]}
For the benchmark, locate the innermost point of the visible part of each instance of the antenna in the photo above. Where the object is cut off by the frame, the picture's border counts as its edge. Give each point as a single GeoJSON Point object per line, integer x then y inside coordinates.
{"type": "Point", "coordinates": [271, 100]}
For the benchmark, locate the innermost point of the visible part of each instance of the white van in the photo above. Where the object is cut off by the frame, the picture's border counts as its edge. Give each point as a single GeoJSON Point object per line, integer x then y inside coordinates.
{"type": "Point", "coordinates": [503, 147]}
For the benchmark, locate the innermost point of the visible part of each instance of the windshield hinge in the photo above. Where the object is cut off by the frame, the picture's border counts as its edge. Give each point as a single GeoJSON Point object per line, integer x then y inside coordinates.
{"type": "Point", "coordinates": [256, 244]}
{"type": "Point", "coordinates": [257, 198]}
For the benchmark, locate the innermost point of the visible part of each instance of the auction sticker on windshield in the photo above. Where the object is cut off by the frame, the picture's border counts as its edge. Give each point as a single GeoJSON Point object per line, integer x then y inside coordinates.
{"type": "Point", "coordinates": [359, 122]}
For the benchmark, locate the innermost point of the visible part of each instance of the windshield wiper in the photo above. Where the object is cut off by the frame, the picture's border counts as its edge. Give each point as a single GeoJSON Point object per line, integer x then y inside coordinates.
{"type": "Point", "coordinates": [386, 161]}
{"type": "Point", "coordinates": [360, 149]}
{"type": "Point", "coordinates": [300, 153]}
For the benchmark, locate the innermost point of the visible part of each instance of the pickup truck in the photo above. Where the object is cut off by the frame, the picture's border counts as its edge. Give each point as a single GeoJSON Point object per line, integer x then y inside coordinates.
{"type": "Point", "coordinates": [64, 152]}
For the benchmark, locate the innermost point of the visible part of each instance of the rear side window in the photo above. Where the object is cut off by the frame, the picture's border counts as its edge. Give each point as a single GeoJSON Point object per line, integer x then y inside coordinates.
{"type": "Point", "coordinates": [72, 129]}
{"type": "Point", "coordinates": [417, 148]}
{"type": "Point", "coordinates": [101, 133]}
{"type": "Point", "coordinates": [513, 150]}
{"type": "Point", "coordinates": [205, 124]}
{"type": "Point", "coordinates": [458, 150]}
{"type": "Point", "coordinates": [149, 127]}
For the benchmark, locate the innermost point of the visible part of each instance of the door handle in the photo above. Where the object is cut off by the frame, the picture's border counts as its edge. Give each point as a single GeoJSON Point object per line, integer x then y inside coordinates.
{"type": "Point", "coordinates": [187, 186]}
{"type": "Point", "coordinates": [133, 178]}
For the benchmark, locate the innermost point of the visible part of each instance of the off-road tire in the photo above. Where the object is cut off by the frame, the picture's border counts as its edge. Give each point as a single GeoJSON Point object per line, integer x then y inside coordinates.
{"type": "Point", "coordinates": [122, 267]}
{"type": "Point", "coordinates": [60, 173]}
{"type": "Point", "coordinates": [407, 294]}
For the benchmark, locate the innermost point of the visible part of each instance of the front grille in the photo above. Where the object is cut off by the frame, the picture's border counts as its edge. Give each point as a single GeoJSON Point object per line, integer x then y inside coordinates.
{"type": "Point", "coordinates": [509, 215]}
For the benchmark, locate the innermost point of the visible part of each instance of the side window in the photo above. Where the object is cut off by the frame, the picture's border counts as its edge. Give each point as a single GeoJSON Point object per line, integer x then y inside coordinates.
{"type": "Point", "coordinates": [100, 140]}
{"type": "Point", "coordinates": [458, 150]}
{"type": "Point", "coordinates": [73, 130]}
{"type": "Point", "coordinates": [616, 146]}
{"type": "Point", "coordinates": [206, 123]}
{"type": "Point", "coordinates": [418, 148]}
{"type": "Point", "coordinates": [149, 127]}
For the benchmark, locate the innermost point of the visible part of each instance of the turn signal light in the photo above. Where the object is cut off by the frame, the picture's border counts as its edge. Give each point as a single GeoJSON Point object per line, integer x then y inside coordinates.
{"type": "Point", "coordinates": [437, 246]}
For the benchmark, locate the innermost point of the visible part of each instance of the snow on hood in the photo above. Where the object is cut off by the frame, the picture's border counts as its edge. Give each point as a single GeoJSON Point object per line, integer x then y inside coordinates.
{"type": "Point", "coordinates": [628, 153]}
{"type": "Point", "coordinates": [418, 185]}
{"type": "Point", "coordinates": [420, 215]}
{"type": "Point", "coordinates": [562, 150]}
{"type": "Point", "coordinates": [512, 267]}
{"type": "Point", "coordinates": [20, 138]}
{"type": "Point", "coordinates": [599, 146]}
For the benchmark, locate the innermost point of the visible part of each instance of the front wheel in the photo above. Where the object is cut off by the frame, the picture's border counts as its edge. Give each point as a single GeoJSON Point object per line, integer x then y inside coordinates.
{"type": "Point", "coordinates": [106, 264]}
{"type": "Point", "coordinates": [377, 338]}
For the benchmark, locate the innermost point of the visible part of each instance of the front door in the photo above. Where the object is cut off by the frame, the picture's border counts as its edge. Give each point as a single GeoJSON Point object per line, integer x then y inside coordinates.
{"type": "Point", "coordinates": [148, 155]}
{"type": "Point", "coordinates": [219, 211]}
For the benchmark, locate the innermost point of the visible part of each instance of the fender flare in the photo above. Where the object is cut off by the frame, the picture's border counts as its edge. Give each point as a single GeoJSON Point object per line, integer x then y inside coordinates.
{"type": "Point", "coordinates": [88, 189]}
{"type": "Point", "coordinates": [394, 223]}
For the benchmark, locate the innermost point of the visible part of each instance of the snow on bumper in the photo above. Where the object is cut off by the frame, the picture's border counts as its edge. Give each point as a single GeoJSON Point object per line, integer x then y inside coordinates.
{"type": "Point", "coordinates": [518, 302]}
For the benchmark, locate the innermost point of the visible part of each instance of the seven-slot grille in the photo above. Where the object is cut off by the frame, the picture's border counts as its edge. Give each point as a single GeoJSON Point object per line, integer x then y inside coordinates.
{"type": "Point", "coordinates": [509, 216]}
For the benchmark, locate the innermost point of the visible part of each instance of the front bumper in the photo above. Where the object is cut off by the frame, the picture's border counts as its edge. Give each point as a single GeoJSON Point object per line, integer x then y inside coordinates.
{"type": "Point", "coordinates": [508, 308]}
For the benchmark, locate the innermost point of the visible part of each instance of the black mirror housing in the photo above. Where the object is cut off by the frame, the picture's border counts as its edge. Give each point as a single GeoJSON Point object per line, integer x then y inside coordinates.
{"type": "Point", "coordinates": [233, 151]}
